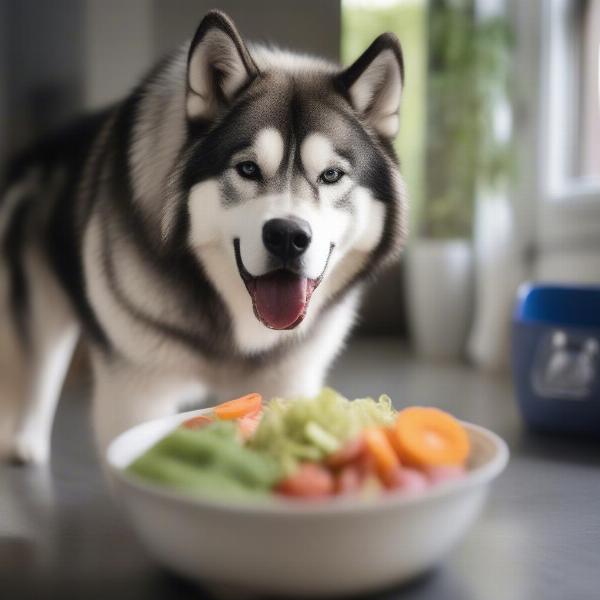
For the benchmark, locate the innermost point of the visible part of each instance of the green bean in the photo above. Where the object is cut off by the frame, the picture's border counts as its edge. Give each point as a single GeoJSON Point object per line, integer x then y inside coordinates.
{"type": "Point", "coordinates": [177, 474]}
{"type": "Point", "coordinates": [206, 448]}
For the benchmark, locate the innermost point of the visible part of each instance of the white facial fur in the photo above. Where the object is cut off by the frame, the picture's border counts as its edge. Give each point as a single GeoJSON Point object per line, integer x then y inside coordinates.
{"type": "Point", "coordinates": [354, 228]}
{"type": "Point", "coordinates": [269, 150]}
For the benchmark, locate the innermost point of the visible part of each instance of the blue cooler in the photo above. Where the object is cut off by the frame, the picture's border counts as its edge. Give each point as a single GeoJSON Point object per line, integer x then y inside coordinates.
{"type": "Point", "coordinates": [556, 357]}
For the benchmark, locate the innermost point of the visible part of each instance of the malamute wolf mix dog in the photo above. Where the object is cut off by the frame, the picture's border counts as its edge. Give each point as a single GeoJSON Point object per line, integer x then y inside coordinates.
{"type": "Point", "coordinates": [211, 233]}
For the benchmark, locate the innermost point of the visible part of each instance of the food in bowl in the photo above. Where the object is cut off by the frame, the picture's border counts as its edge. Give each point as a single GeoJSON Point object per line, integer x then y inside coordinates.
{"type": "Point", "coordinates": [308, 449]}
{"type": "Point", "coordinates": [348, 545]}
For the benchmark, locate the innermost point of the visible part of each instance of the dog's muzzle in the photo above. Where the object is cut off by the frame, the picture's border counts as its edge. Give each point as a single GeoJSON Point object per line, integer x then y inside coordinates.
{"type": "Point", "coordinates": [280, 298]}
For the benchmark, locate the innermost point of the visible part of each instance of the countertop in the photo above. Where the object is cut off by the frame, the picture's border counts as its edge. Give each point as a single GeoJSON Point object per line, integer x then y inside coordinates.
{"type": "Point", "coordinates": [61, 535]}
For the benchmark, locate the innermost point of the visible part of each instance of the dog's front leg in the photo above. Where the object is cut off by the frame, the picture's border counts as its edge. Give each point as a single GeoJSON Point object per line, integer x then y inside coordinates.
{"type": "Point", "coordinates": [125, 395]}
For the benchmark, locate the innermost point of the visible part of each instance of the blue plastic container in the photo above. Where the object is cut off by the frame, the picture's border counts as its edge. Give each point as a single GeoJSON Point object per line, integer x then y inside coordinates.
{"type": "Point", "coordinates": [556, 357]}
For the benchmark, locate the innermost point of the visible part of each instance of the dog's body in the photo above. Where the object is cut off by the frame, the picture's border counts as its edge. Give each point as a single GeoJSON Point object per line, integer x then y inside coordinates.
{"type": "Point", "coordinates": [211, 233]}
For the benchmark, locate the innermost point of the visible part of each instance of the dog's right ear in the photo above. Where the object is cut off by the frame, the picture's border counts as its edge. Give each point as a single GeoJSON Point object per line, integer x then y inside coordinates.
{"type": "Point", "coordinates": [374, 83]}
{"type": "Point", "coordinates": [219, 66]}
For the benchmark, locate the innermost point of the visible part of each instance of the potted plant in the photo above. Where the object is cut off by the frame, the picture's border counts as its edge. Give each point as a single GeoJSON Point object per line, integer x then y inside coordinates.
{"type": "Point", "coordinates": [467, 73]}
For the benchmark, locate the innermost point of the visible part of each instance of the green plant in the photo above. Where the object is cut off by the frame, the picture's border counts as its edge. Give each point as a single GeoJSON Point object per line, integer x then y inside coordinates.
{"type": "Point", "coordinates": [468, 75]}
{"type": "Point", "coordinates": [361, 24]}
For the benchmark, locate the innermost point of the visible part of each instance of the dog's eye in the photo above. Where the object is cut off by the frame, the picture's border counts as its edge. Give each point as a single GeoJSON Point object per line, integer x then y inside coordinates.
{"type": "Point", "coordinates": [248, 170]}
{"type": "Point", "coordinates": [331, 176]}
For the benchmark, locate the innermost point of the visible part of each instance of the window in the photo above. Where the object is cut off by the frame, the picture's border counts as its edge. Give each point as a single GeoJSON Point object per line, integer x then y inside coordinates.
{"type": "Point", "coordinates": [571, 55]}
{"type": "Point", "coordinates": [557, 198]}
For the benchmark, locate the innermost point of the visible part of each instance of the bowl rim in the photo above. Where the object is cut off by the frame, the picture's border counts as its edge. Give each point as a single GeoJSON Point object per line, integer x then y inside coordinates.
{"type": "Point", "coordinates": [288, 507]}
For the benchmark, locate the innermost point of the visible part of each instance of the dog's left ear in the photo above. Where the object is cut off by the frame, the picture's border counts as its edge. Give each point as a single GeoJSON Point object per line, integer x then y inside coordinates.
{"type": "Point", "coordinates": [374, 84]}
{"type": "Point", "coordinates": [219, 66]}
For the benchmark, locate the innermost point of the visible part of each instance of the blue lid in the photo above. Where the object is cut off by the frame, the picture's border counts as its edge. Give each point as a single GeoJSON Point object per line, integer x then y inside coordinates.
{"type": "Point", "coordinates": [575, 305]}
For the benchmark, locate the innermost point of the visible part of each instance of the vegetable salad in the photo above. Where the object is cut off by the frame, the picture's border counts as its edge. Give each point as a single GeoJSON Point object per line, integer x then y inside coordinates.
{"type": "Point", "coordinates": [308, 449]}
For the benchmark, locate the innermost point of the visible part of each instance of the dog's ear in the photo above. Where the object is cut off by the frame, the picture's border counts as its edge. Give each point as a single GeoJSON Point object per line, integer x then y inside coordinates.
{"type": "Point", "coordinates": [374, 83]}
{"type": "Point", "coordinates": [219, 66]}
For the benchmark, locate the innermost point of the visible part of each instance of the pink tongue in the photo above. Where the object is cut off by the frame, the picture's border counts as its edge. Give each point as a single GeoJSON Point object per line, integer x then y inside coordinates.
{"type": "Point", "coordinates": [280, 299]}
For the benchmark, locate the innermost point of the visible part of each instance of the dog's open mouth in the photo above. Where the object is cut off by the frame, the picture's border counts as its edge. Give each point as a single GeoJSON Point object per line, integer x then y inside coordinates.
{"type": "Point", "coordinates": [280, 298]}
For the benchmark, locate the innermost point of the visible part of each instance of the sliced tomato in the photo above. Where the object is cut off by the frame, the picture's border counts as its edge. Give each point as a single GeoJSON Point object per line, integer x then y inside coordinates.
{"type": "Point", "coordinates": [350, 452]}
{"type": "Point", "coordinates": [410, 481]}
{"type": "Point", "coordinates": [309, 481]}
{"type": "Point", "coordinates": [366, 464]}
{"type": "Point", "coordinates": [348, 480]}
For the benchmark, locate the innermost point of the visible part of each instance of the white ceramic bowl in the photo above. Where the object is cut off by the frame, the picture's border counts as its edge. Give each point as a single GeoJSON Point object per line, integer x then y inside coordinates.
{"type": "Point", "coordinates": [332, 547]}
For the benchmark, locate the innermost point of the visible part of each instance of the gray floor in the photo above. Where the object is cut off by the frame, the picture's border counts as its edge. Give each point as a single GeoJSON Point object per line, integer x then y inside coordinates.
{"type": "Point", "coordinates": [539, 537]}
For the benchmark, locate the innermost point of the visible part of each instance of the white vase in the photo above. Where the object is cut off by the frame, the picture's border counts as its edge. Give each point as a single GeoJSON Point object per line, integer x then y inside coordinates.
{"type": "Point", "coordinates": [439, 291]}
{"type": "Point", "coordinates": [498, 272]}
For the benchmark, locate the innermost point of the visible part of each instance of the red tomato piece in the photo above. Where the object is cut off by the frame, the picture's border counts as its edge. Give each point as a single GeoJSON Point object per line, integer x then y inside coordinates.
{"type": "Point", "coordinates": [348, 480]}
{"type": "Point", "coordinates": [350, 452]}
{"type": "Point", "coordinates": [310, 481]}
{"type": "Point", "coordinates": [366, 464]}
{"type": "Point", "coordinates": [405, 480]}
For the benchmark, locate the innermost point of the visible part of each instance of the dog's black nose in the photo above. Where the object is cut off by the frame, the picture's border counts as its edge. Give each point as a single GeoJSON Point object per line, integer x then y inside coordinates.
{"type": "Point", "coordinates": [286, 238]}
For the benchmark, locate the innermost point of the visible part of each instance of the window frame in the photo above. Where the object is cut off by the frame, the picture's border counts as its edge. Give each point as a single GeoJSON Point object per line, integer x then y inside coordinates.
{"type": "Point", "coordinates": [556, 212]}
{"type": "Point", "coordinates": [561, 82]}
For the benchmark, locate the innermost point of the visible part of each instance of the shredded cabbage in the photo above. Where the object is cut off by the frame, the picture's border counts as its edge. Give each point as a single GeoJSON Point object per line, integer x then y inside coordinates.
{"type": "Point", "coordinates": [292, 431]}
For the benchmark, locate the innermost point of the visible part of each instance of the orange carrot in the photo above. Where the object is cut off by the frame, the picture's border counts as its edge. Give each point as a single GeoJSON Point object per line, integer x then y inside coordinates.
{"type": "Point", "coordinates": [381, 450]}
{"type": "Point", "coordinates": [240, 407]}
{"type": "Point", "coordinates": [429, 437]}
{"type": "Point", "coordinates": [197, 422]}
{"type": "Point", "coordinates": [390, 433]}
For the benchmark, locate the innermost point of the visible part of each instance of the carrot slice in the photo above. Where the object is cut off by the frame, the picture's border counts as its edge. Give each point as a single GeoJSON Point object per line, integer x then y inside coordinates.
{"type": "Point", "coordinates": [197, 422]}
{"type": "Point", "coordinates": [240, 407]}
{"type": "Point", "coordinates": [386, 460]}
{"type": "Point", "coordinates": [429, 437]}
{"type": "Point", "coordinates": [390, 433]}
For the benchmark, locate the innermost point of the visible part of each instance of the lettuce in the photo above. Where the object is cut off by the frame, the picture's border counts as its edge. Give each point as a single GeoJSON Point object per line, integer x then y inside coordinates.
{"type": "Point", "coordinates": [296, 430]}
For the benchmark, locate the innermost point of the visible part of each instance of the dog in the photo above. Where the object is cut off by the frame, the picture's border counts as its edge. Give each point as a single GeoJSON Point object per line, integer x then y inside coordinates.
{"type": "Point", "coordinates": [210, 234]}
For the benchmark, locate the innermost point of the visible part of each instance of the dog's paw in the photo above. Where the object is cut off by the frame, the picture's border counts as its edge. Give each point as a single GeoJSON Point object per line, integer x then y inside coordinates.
{"type": "Point", "coordinates": [27, 451]}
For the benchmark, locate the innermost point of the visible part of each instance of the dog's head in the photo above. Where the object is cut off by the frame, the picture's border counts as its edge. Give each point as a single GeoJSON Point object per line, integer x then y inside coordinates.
{"type": "Point", "coordinates": [293, 187]}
